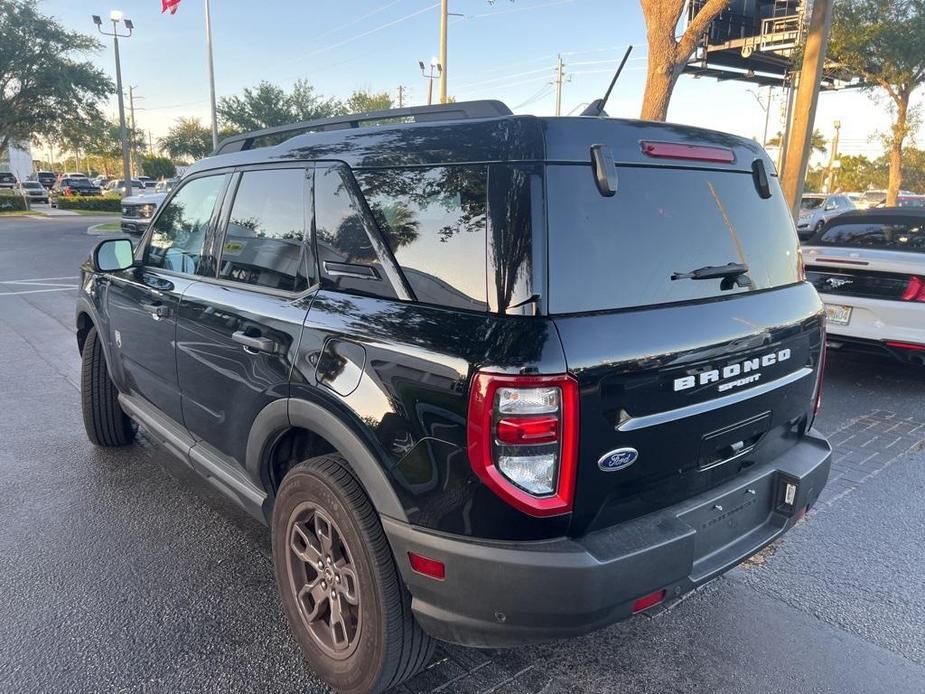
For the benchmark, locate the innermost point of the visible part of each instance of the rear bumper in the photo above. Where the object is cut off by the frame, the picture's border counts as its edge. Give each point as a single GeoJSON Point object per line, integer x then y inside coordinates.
{"type": "Point", "coordinates": [874, 322]}
{"type": "Point", "coordinates": [508, 594]}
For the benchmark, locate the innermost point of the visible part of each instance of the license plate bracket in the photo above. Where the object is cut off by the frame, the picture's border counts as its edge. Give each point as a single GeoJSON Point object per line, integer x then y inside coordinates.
{"type": "Point", "coordinates": [838, 314]}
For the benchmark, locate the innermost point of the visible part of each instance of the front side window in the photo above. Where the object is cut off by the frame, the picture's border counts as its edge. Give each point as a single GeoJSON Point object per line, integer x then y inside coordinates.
{"type": "Point", "coordinates": [434, 220]}
{"type": "Point", "coordinates": [180, 230]}
{"type": "Point", "coordinates": [265, 242]}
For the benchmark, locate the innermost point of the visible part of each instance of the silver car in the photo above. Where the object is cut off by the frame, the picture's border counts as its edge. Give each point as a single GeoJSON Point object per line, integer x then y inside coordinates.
{"type": "Point", "coordinates": [34, 190]}
{"type": "Point", "coordinates": [137, 211]}
{"type": "Point", "coordinates": [816, 209]}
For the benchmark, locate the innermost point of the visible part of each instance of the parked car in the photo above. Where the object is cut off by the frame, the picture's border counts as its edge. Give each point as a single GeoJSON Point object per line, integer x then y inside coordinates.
{"type": "Point", "coordinates": [908, 200]}
{"type": "Point", "coordinates": [817, 209]}
{"type": "Point", "coordinates": [137, 211]}
{"type": "Point", "coordinates": [7, 180]}
{"type": "Point", "coordinates": [75, 174]}
{"type": "Point", "coordinates": [166, 185]}
{"type": "Point", "coordinates": [34, 190]}
{"type": "Point", "coordinates": [118, 185]}
{"type": "Point", "coordinates": [147, 181]}
{"type": "Point", "coordinates": [46, 178]}
{"type": "Point", "coordinates": [482, 387]}
{"type": "Point", "coordinates": [68, 187]}
{"type": "Point", "coordinates": [869, 268]}
{"type": "Point", "coordinates": [101, 181]}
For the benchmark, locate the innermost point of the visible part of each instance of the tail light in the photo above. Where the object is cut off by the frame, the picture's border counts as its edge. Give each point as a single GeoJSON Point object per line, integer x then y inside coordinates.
{"type": "Point", "coordinates": [68, 190]}
{"type": "Point", "coordinates": [523, 439]}
{"type": "Point", "coordinates": [820, 377]}
{"type": "Point", "coordinates": [915, 290]}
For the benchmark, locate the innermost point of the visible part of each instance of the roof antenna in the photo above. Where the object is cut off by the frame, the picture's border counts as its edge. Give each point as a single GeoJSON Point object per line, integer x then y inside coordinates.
{"type": "Point", "coordinates": [596, 107]}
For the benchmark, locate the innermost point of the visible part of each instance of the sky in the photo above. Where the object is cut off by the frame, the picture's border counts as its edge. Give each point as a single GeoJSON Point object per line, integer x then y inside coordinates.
{"type": "Point", "coordinates": [503, 50]}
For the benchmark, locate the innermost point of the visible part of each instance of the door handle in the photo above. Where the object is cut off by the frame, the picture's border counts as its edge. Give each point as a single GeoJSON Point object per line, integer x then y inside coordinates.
{"type": "Point", "coordinates": [157, 310]}
{"type": "Point", "coordinates": [255, 343]}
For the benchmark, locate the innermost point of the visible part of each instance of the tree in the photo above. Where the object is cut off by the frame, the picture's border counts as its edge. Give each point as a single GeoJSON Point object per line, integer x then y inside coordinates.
{"type": "Point", "coordinates": [187, 138]}
{"type": "Point", "coordinates": [44, 81]}
{"type": "Point", "coordinates": [818, 142]}
{"type": "Point", "coordinates": [857, 172]}
{"type": "Point", "coordinates": [362, 101]}
{"type": "Point", "coordinates": [267, 105]}
{"type": "Point", "coordinates": [667, 54]}
{"type": "Point", "coordinates": [882, 41]}
{"type": "Point", "coordinates": [158, 167]}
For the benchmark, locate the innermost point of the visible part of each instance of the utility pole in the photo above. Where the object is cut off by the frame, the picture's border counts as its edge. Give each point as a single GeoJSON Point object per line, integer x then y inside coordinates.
{"type": "Point", "coordinates": [799, 143]}
{"type": "Point", "coordinates": [401, 96]}
{"type": "Point", "coordinates": [560, 78]}
{"type": "Point", "coordinates": [830, 178]}
{"type": "Point", "coordinates": [211, 74]}
{"type": "Point", "coordinates": [115, 17]}
{"type": "Point", "coordinates": [444, 11]}
{"type": "Point", "coordinates": [131, 109]}
{"type": "Point", "coordinates": [150, 144]}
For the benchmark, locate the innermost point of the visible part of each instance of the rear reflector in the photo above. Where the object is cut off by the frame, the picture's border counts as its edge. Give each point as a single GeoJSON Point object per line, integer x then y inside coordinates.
{"type": "Point", "coordinates": [906, 345]}
{"type": "Point", "coordinates": [427, 567]}
{"type": "Point", "coordinates": [673, 150]}
{"type": "Point", "coordinates": [649, 601]}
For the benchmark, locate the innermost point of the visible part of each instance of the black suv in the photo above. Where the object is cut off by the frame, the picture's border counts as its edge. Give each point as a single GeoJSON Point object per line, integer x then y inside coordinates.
{"type": "Point", "coordinates": [490, 379]}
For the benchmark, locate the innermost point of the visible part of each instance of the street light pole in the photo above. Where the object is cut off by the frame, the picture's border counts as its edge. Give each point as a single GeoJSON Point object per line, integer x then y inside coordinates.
{"type": "Point", "coordinates": [211, 73]}
{"type": "Point", "coordinates": [444, 11]}
{"type": "Point", "coordinates": [115, 16]}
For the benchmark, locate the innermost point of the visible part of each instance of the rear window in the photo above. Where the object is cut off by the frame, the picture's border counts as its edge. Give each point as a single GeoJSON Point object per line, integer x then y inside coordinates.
{"type": "Point", "coordinates": [621, 252]}
{"type": "Point", "coordinates": [434, 220]}
{"type": "Point", "coordinates": [892, 236]}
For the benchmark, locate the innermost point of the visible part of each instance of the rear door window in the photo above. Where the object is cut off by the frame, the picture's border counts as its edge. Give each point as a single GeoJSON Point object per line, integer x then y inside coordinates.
{"type": "Point", "coordinates": [348, 260]}
{"type": "Point", "coordinates": [434, 220]}
{"type": "Point", "coordinates": [621, 252]}
{"type": "Point", "coordinates": [887, 236]}
{"type": "Point", "coordinates": [265, 239]}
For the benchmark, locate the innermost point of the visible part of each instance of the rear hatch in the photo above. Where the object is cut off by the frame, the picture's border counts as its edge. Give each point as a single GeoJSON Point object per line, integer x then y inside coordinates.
{"type": "Point", "coordinates": [698, 378]}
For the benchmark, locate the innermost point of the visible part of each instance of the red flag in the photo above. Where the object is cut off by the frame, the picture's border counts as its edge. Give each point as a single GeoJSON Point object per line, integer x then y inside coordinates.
{"type": "Point", "coordinates": [171, 5]}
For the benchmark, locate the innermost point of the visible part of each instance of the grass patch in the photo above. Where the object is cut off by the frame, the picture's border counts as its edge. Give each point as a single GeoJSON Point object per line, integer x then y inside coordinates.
{"type": "Point", "coordinates": [108, 226]}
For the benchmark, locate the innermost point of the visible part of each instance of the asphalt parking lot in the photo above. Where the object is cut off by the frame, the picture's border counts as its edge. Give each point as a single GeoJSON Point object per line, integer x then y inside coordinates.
{"type": "Point", "coordinates": [122, 572]}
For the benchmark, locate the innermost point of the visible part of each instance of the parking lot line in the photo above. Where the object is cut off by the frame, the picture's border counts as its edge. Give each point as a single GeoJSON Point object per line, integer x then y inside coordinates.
{"type": "Point", "coordinates": [38, 279]}
{"type": "Point", "coordinates": [39, 291]}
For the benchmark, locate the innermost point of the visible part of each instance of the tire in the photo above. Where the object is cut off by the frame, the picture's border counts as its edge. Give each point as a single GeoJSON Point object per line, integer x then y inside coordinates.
{"type": "Point", "coordinates": [378, 643]}
{"type": "Point", "coordinates": [106, 423]}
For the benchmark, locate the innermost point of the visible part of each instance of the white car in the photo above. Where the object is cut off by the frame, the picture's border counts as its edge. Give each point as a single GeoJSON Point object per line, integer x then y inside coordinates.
{"type": "Point", "coordinates": [869, 269]}
{"type": "Point", "coordinates": [137, 211]}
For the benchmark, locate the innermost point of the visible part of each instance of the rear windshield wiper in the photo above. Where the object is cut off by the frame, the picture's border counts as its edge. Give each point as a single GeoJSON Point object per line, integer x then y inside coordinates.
{"type": "Point", "coordinates": [731, 271]}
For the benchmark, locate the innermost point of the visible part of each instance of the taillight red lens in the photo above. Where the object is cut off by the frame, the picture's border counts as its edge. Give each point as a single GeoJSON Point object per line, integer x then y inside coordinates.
{"type": "Point", "coordinates": [823, 355]}
{"type": "Point", "coordinates": [523, 439]}
{"type": "Point", "coordinates": [535, 430]}
{"type": "Point", "coordinates": [674, 150]}
{"type": "Point", "coordinates": [648, 601]}
{"type": "Point", "coordinates": [915, 290]}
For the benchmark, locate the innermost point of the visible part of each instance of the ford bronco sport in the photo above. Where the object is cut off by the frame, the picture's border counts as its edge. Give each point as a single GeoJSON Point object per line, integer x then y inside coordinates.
{"type": "Point", "coordinates": [490, 379]}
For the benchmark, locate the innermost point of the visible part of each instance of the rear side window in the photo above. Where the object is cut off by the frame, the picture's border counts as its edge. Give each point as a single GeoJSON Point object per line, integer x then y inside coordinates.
{"type": "Point", "coordinates": [348, 259]}
{"type": "Point", "coordinates": [265, 240]}
{"type": "Point", "coordinates": [180, 230]}
{"type": "Point", "coordinates": [892, 236]}
{"type": "Point", "coordinates": [434, 221]}
{"type": "Point", "coordinates": [621, 252]}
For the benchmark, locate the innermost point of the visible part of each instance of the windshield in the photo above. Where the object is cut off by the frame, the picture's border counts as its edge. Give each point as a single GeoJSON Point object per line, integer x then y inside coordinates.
{"type": "Point", "coordinates": [621, 252]}
{"type": "Point", "coordinates": [811, 203]}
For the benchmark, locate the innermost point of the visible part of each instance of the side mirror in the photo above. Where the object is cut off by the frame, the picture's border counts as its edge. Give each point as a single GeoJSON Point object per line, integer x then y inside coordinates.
{"type": "Point", "coordinates": [113, 255]}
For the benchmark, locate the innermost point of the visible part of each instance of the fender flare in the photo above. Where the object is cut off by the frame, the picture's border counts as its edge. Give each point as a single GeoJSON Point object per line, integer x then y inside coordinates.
{"type": "Point", "coordinates": [282, 414]}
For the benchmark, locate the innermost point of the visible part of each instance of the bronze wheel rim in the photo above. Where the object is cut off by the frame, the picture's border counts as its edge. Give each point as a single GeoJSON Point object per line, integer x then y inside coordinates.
{"type": "Point", "coordinates": [323, 580]}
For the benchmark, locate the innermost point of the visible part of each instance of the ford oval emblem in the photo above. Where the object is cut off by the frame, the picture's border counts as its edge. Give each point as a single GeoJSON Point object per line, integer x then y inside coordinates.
{"type": "Point", "coordinates": [618, 459]}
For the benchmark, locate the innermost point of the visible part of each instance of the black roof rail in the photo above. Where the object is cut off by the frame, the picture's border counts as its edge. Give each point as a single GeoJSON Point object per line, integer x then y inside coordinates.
{"type": "Point", "coordinates": [436, 112]}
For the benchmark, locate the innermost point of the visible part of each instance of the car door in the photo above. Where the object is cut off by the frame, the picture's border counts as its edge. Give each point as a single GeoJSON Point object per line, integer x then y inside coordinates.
{"type": "Point", "coordinates": [238, 331]}
{"type": "Point", "coordinates": [143, 300]}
